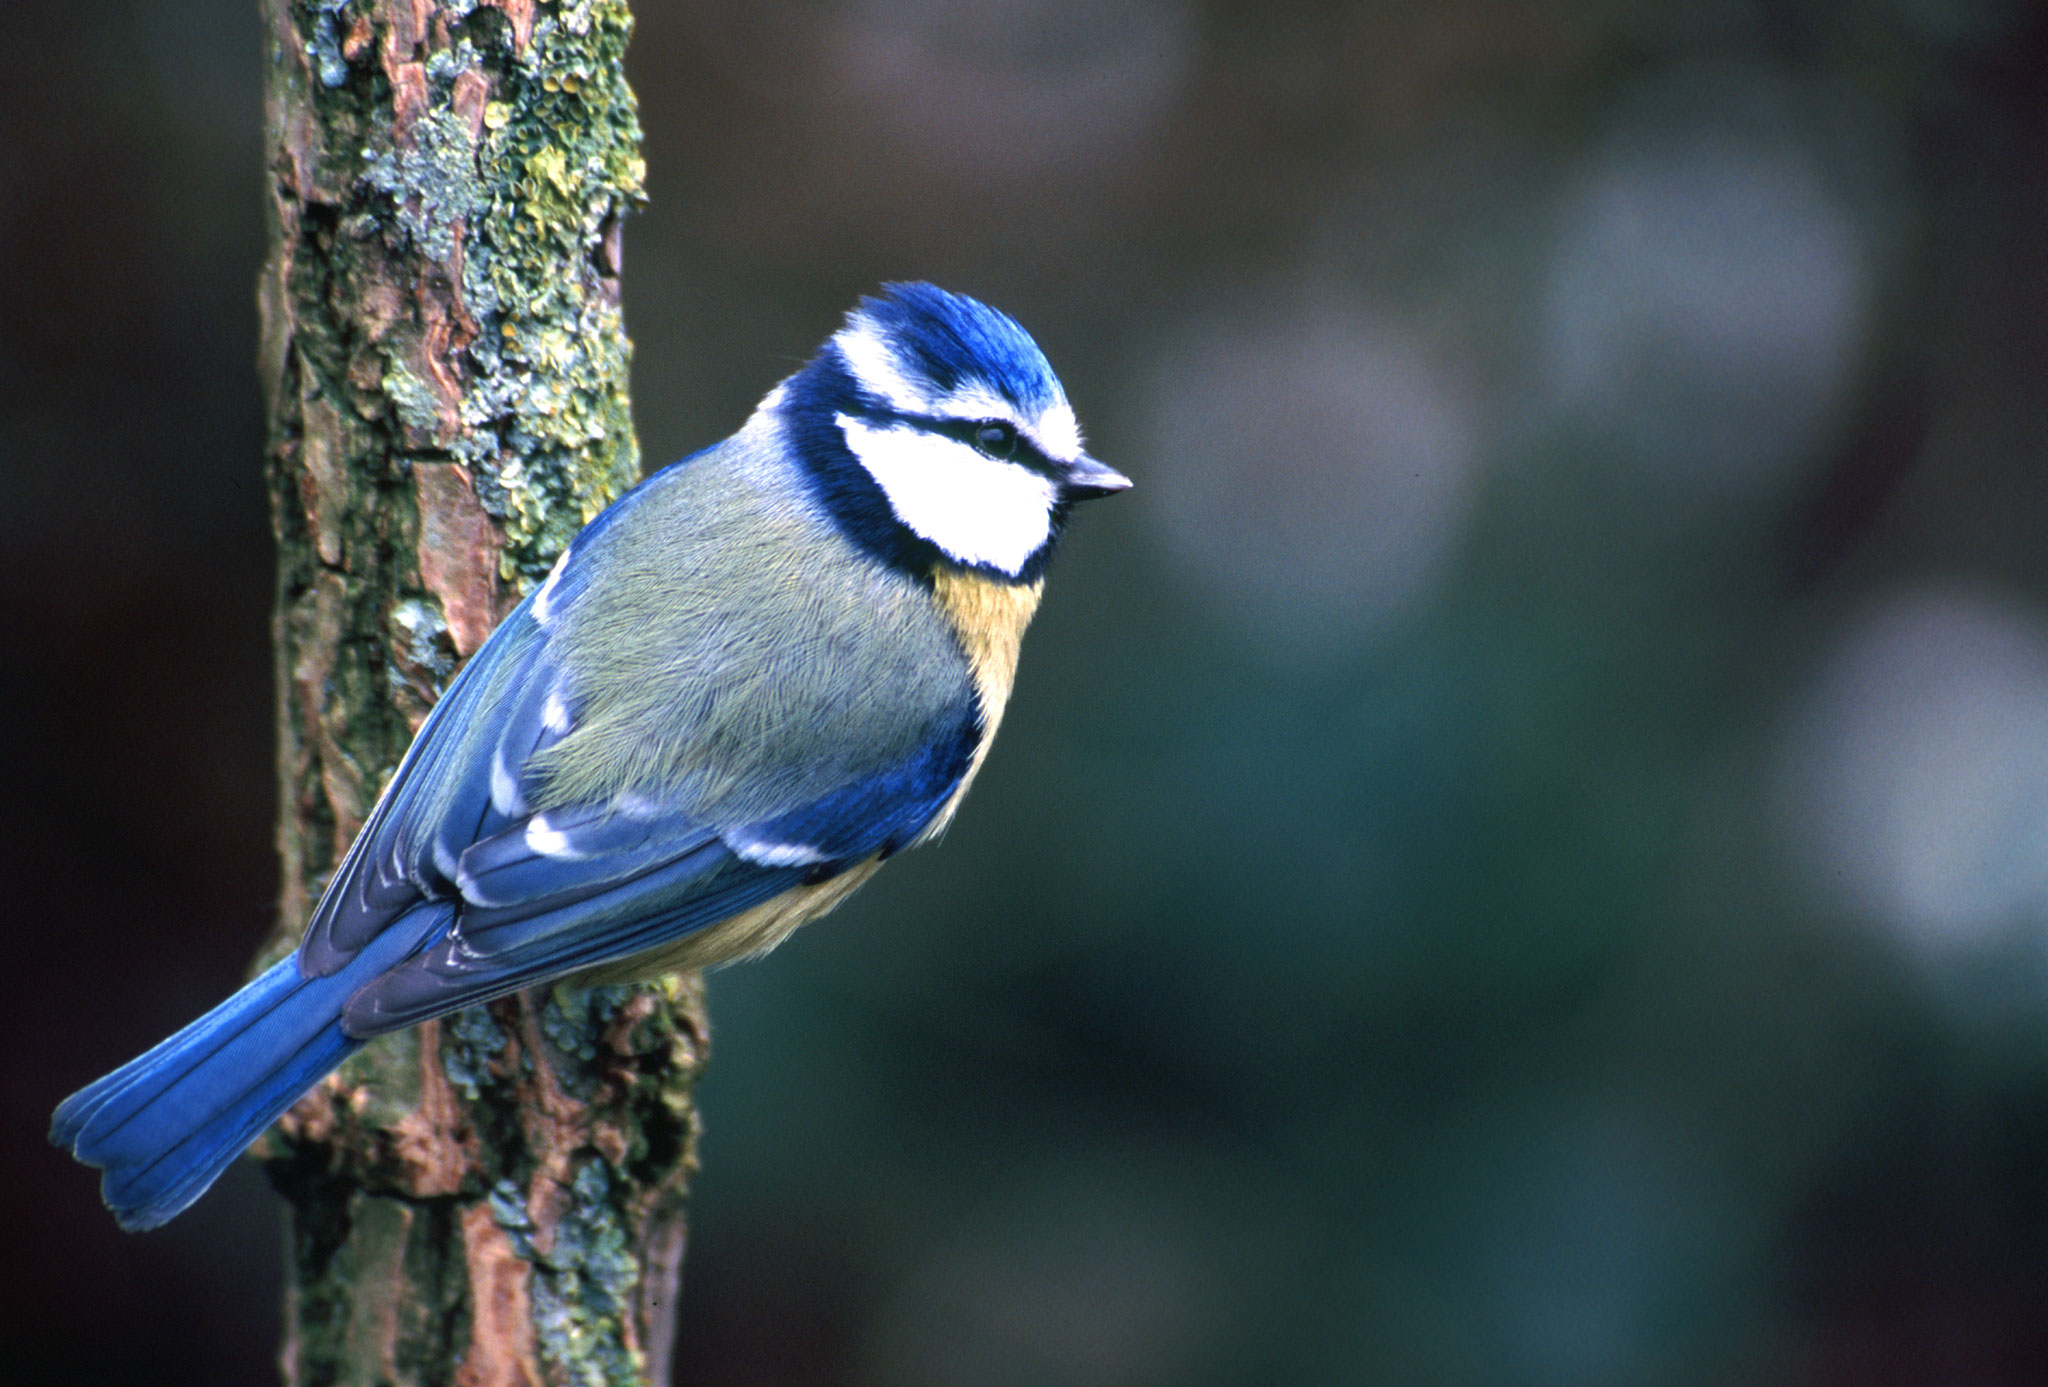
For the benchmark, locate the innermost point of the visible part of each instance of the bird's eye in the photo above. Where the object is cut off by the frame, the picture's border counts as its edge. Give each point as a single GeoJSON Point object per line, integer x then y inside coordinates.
{"type": "Point", "coordinates": [996, 437]}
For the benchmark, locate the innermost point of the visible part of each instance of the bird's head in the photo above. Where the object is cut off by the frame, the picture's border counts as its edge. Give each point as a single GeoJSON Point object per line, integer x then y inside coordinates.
{"type": "Point", "coordinates": [934, 429]}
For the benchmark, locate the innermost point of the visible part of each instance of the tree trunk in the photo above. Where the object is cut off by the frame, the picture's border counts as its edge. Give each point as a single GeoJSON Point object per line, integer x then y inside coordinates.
{"type": "Point", "coordinates": [495, 1198]}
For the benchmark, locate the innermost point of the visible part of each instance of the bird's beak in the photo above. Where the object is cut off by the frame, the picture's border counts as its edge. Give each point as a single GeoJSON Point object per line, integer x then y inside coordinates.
{"type": "Point", "coordinates": [1084, 478]}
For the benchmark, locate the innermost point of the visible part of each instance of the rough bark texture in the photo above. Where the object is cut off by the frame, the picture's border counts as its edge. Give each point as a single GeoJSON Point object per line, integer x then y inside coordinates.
{"type": "Point", "coordinates": [495, 1198]}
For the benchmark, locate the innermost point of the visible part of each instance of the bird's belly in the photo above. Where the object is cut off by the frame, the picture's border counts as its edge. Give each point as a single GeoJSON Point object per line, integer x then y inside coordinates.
{"type": "Point", "coordinates": [745, 935]}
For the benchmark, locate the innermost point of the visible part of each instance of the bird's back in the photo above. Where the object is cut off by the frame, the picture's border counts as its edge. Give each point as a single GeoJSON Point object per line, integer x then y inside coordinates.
{"type": "Point", "coordinates": [780, 662]}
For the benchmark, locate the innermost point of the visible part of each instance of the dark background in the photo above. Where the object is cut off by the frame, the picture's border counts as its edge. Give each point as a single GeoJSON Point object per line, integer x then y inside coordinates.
{"type": "Point", "coordinates": [1520, 854]}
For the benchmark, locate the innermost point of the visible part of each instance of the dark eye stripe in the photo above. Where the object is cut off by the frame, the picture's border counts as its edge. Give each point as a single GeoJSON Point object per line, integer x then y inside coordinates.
{"type": "Point", "coordinates": [1023, 451]}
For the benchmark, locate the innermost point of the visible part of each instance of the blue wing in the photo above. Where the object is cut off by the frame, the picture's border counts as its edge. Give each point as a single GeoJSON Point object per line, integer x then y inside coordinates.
{"type": "Point", "coordinates": [558, 892]}
{"type": "Point", "coordinates": [543, 887]}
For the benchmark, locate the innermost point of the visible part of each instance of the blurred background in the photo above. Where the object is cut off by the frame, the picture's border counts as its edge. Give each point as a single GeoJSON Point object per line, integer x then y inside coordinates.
{"type": "Point", "coordinates": [1521, 852]}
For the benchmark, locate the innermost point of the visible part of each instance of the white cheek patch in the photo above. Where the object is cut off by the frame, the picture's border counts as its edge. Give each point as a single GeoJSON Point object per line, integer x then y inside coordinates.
{"type": "Point", "coordinates": [977, 509]}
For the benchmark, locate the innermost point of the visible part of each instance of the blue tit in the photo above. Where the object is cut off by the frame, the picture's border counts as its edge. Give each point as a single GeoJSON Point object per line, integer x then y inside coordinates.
{"type": "Point", "coordinates": [746, 684]}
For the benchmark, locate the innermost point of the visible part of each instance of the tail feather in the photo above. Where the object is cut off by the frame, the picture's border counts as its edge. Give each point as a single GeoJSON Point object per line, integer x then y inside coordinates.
{"type": "Point", "coordinates": [165, 1125]}
{"type": "Point", "coordinates": [112, 1101]}
{"type": "Point", "coordinates": [150, 1180]}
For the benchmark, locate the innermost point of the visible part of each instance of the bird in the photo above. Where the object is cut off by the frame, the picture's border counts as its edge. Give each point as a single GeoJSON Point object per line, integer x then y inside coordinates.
{"type": "Point", "coordinates": [751, 680]}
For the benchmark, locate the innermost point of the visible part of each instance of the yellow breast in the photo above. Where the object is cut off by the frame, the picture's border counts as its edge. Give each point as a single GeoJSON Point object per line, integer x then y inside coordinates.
{"type": "Point", "coordinates": [989, 619]}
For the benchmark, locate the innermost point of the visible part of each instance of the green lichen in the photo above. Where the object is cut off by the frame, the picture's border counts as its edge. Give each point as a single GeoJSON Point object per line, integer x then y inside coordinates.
{"type": "Point", "coordinates": [433, 179]}
{"type": "Point", "coordinates": [583, 1288]}
{"type": "Point", "coordinates": [560, 151]}
{"type": "Point", "coordinates": [545, 426]}
{"type": "Point", "coordinates": [384, 1079]}
{"type": "Point", "coordinates": [508, 1210]}
{"type": "Point", "coordinates": [326, 42]}
{"type": "Point", "coordinates": [423, 636]}
{"type": "Point", "coordinates": [576, 1016]}
{"type": "Point", "coordinates": [412, 399]}
{"type": "Point", "coordinates": [470, 1042]}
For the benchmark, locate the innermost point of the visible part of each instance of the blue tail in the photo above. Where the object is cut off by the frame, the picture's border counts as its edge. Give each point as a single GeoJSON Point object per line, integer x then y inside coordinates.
{"type": "Point", "coordinates": [165, 1125]}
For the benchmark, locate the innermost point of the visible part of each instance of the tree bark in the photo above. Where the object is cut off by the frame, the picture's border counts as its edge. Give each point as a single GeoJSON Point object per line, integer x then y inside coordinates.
{"type": "Point", "coordinates": [495, 1198]}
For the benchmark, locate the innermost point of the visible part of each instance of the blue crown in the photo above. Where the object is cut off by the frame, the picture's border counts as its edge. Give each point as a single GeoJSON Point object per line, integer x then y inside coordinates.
{"type": "Point", "coordinates": [947, 341]}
